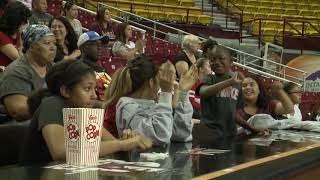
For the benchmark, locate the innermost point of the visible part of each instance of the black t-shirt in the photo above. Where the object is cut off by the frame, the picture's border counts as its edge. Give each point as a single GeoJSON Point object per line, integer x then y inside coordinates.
{"type": "Point", "coordinates": [218, 112]}
{"type": "Point", "coordinates": [49, 112]}
{"type": "Point", "coordinates": [182, 56]}
{"type": "Point", "coordinates": [59, 54]}
{"type": "Point", "coordinates": [94, 66]}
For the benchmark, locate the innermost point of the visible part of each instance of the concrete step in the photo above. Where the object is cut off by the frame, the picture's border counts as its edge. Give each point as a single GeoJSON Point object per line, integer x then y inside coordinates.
{"type": "Point", "coordinates": [249, 41]}
{"type": "Point", "coordinates": [208, 8]}
{"type": "Point", "coordinates": [248, 45]}
{"type": "Point", "coordinates": [204, 4]}
{"type": "Point", "coordinates": [200, 1]}
{"type": "Point", "coordinates": [233, 28]}
{"type": "Point", "coordinates": [224, 22]}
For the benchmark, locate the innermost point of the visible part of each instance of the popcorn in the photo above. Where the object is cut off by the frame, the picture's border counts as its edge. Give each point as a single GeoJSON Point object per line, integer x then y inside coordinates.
{"type": "Point", "coordinates": [82, 135]}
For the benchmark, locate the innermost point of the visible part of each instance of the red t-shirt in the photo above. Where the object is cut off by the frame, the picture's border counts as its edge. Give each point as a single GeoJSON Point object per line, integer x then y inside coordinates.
{"type": "Point", "coordinates": [4, 40]}
{"type": "Point", "coordinates": [110, 119]}
{"type": "Point", "coordinates": [193, 97]}
{"type": "Point", "coordinates": [109, 30]}
{"type": "Point", "coordinates": [270, 109]}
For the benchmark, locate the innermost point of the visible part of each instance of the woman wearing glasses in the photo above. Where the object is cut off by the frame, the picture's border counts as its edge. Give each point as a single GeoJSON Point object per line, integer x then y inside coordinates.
{"type": "Point", "coordinates": [294, 92]}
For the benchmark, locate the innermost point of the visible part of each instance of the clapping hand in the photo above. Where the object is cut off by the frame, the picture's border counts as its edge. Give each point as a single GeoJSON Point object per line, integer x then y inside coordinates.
{"type": "Point", "coordinates": [188, 79]}
{"type": "Point", "coordinates": [238, 78]}
{"type": "Point", "coordinates": [167, 76]}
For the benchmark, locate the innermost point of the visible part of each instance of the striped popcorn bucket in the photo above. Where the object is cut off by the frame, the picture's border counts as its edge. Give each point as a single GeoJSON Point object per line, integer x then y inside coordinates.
{"type": "Point", "coordinates": [82, 132]}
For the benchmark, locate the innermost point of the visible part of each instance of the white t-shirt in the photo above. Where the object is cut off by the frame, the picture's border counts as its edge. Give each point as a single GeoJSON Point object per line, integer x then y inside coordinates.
{"type": "Point", "coordinates": [77, 27]}
{"type": "Point", "coordinates": [119, 46]}
{"type": "Point", "coordinates": [297, 114]}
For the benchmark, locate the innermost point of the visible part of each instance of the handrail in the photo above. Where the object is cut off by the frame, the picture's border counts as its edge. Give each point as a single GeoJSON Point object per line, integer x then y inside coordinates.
{"type": "Point", "coordinates": [238, 51]}
{"type": "Point", "coordinates": [141, 17]}
{"type": "Point", "coordinates": [290, 25]}
{"type": "Point", "coordinates": [151, 4]}
{"type": "Point", "coordinates": [262, 73]}
{"type": "Point", "coordinates": [257, 57]}
{"type": "Point", "coordinates": [227, 10]}
{"type": "Point", "coordinates": [226, 7]}
{"type": "Point", "coordinates": [114, 20]}
{"type": "Point", "coordinates": [228, 1]}
{"type": "Point", "coordinates": [132, 5]}
{"type": "Point", "coordinates": [284, 21]}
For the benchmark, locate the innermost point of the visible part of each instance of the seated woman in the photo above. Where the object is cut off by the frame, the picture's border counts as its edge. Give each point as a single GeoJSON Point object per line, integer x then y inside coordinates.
{"type": "Point", "coordinates": [66, 39]}
{"type": "Point", "coordinates": [184, 60]}
{"type": "Point", "coordinates": [143, 111]}
{"type": "Point", "coordinates": [104, 25]}
{"type": "Point", "coordinates": [294, 91]}
{"type": "Point", "coordinates": [27, 74]}
{"type": "Point", "coordinates": [70, 84]}
{"type": "Point", "coordinates": [123, 47]}
{"type": "Point", "coordinates": [256, 101]}
{"type": "Point", "coordinates": [12, 22]}
{"type": "Point", "coordinates": [70, 11]}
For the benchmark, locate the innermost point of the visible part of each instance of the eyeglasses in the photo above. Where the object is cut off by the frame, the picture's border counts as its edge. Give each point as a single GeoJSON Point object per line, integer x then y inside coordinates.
{"type": "Point", "coordinates": [297, 92]}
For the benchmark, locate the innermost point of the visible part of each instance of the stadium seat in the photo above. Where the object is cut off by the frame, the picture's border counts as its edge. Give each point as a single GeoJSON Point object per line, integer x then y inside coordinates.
{"type": "Point", "coordinates": [277, 9]}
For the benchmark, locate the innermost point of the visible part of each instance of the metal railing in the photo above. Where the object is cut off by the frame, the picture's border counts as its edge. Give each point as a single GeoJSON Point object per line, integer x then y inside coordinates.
{"type": "Point", "coordinates": [244, 60]}
{"type": "Point", "coordinates": [142, 31]}
{"type": "Point", "coordinates": [285, 25]}
{"type": "Point", "coordinates": [133, 6]}
{"type": "Point", "coordinates": [155, 24]}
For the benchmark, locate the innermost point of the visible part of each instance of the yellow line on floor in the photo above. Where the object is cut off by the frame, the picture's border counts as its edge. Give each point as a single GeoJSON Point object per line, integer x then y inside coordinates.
{"type": "Point", "coordinates": [255, 162]}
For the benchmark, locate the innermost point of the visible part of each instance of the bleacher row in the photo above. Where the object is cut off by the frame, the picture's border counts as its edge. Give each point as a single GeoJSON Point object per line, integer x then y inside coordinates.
{"type": "Point", "coordinates": [178, 11]}
{"type": "Point", "coordinates": [279, 9]}
{"type": "Point", "coordinates": [161, 51]}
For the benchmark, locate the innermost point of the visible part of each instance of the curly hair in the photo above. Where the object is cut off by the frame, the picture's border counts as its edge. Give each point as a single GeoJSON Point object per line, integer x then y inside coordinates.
{"type": "Point", "coordinates": [263, 97]}
{"type": "Point", "coordinates": [71, 37]}
{"type": "Point", "coordinates": [208, 44]}
{"type": "Point", "coordinates": [15, 15]}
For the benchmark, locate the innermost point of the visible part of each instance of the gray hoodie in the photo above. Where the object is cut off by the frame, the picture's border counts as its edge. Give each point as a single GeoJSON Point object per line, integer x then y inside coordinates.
{"type": "Point", "coordinates": [156, 120]}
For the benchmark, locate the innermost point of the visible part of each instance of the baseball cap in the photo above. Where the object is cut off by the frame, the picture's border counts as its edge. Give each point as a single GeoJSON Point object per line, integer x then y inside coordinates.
{"type": "Point", "coordinates": [91, 36]}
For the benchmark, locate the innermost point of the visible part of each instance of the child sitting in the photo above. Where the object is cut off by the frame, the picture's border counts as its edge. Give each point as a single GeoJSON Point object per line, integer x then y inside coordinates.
{"type": "Point", "coordinates": [70, 84]}
{"type": "Point", "coordinates": [145, 112]}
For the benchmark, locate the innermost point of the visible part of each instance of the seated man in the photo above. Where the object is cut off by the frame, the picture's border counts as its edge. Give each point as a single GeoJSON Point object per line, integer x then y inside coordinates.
{"type": "Point", "coordinates": [39, 13]}
{"type": "Point", "coordinates": [27, 74]}
{"type": "Point", "coordinates": [88, 43]}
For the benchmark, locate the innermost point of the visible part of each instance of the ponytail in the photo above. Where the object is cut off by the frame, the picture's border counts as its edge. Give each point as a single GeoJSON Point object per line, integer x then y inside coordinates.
{"type": "Point", "coordinates": [131, 78]}
{"type": "Point", "coordinates": [121, 85]}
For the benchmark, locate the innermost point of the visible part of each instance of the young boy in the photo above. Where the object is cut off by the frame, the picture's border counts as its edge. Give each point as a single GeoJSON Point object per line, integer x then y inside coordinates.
{"type": "Point", "coordinates": [219, 97]}
{"type": "Point", "coordinates": [204, 69]}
